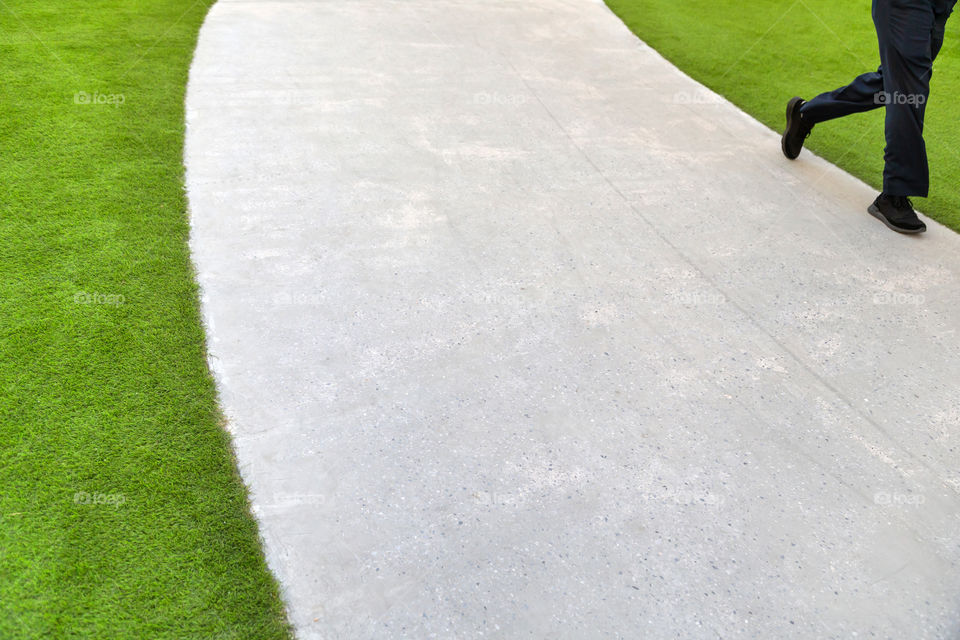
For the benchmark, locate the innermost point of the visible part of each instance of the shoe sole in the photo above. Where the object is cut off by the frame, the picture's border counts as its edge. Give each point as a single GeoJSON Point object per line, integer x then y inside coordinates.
{"type": "Point", "coordinates": [876, 213]}
{"type": "Point", "coordinates": [791, 108]}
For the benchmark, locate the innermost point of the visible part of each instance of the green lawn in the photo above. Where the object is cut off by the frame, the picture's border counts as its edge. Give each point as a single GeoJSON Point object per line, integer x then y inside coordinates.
{"type": "Point", "coordinates": [759, 53]}
{"type": "Point", "coordinates": [121, 512]}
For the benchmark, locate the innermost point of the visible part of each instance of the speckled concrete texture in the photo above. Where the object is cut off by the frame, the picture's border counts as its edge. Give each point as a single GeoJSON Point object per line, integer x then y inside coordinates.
{"type": "Point", "coordinates": [521, 333]}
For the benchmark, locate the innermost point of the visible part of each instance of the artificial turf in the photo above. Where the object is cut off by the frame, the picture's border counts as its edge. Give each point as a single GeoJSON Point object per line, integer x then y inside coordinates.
{"type": "Point", "coordinates": [121, 511]}
{"type": "Point", "coordinates": [760, 53]}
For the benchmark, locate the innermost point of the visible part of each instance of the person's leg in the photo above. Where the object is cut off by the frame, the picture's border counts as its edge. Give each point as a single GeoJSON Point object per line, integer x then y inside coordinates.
{"type": "Point", "coordinates": [905, 29]}
{"type": "Point", "coordinates": [906, 32]}
{"type": "Point", "coordinates": [911, 35]}
{"type": "Point", "coordinates": [863, 94]}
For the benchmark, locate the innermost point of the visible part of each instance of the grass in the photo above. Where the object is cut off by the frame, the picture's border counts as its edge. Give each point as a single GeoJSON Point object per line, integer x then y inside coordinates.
{"type": "Point", "coordinates": [121, 511]}
{"type": "Point", "coordinates": [759, 53]}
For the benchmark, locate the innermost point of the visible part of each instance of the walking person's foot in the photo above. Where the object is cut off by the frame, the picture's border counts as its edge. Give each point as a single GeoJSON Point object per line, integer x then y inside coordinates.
{"type": "Point", "coordinates": [897, 213]}
{"type": "Point", "coordinates": [797, 129]}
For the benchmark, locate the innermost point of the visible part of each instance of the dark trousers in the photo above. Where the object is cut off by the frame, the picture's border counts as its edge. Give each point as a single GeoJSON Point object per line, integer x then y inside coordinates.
{"type": "Point", "coordinates": [910, 33]}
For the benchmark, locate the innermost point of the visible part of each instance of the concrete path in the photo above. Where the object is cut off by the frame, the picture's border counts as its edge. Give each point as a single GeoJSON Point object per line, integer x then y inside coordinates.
{"type": "Point", "coordinates": [524, 334]}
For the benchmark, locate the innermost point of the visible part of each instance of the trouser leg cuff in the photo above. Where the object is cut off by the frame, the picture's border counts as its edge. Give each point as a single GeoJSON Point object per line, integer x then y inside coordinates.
{"type": "Point", "coordinates": [899, 187]}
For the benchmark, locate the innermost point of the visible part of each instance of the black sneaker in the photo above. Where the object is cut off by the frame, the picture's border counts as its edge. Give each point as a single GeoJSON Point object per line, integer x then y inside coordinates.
{"type": "Point", "coordinates": [897, 213]}
{"type": "Point", "coordinates": [797, 130]}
